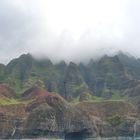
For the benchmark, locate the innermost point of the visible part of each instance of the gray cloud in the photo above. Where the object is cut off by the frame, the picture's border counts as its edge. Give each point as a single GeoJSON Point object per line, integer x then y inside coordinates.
{"type": "Point", "coordinates": [17, 29]}
{"type": "Point", "coordinates": [46, 30]}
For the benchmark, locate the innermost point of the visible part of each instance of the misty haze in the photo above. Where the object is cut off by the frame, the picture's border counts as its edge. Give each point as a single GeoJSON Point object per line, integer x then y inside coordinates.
{"type": "Point", "coordinates": [70, 69]}
{"type": "Point", "coordinates": [68, 30]}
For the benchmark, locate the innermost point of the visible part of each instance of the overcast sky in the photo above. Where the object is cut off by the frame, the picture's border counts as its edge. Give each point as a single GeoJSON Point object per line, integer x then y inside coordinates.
{"type": "Point", "coordinates": [73, 30]}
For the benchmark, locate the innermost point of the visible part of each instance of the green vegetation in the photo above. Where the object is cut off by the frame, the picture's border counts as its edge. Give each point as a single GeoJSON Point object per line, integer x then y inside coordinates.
{"type": "Point", "coordinates": [75, 100]}
{"type": "Point", "coordinates": [107, 78]}
{"type": "Point", "coordinates": [96, 98]}
{"type": "Point", "coordinates": [116, 120]}
{"type": "Point", "coordinates": [4, 102]}
{"type": "Point", "coordinates": [9, 102]}
{"type": "Point", "coordinates": [92, 98]}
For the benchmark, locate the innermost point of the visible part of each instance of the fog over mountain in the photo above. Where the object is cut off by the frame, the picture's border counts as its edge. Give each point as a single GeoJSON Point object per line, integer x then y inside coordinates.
{"type": "Point", "coordinates": [71, 30]}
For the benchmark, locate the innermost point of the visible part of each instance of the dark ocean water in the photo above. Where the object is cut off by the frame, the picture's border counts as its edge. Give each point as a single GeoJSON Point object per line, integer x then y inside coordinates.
{"type": "Point", "coordinates": [120, 138]}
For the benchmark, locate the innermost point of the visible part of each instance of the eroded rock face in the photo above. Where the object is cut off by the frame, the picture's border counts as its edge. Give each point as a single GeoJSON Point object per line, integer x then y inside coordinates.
{"type": "Point", "coordinates": [52, 115]}
{"type": "Point", "coordinates": [56, 115]}
{"type": "Point", "coordinates": [6, 92]}
{"type": "Point", "coordinates": [134, 95]}
{"type": "Point", "coordinates": [12, 119]}
{"type": "Point", "coordinates": [34, 92]}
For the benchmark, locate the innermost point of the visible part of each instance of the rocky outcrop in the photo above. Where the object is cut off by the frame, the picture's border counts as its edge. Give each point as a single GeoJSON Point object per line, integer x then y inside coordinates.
{"type": "Point", "coordinates": [116, 118]}
{"type": "Point", "coordinates": [105, 77]}
{"type": "Point", "coordinates": [56, 116]}
{"type": "Point", "coordinates": [42, 113]}
{"type": "Point", "coordinates": [133, 94]}
{"type": "Point", "coordinates": [51, 115]}
{"type": "Point", "coordinates": [34, 92]}
{"type": "Point", "coordinates": [6, 92]}
{"type": "Point", "coordinates": [12, 121]}
{"type": "Point", "coordinates": [74, 83]}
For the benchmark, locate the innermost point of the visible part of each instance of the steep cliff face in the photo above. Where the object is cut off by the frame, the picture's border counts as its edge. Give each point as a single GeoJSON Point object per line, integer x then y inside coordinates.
{"type": "Point", "coordinates": [12, 119]}
{"type": "Point", "coordinates": [38, 112]}
{"type": "Point", "coordinates": [133, 94]}
{"type": "Point", "coordinates": [34, 92]}
{"type": "Point", "coordinates": [52, 115]}
{"type": "Point", "coordinates": [74, 83]}
{"type": "Point", "coordinates": [56, 116]}
{"type": "Point", "coordinates": [7, 95]}
{"type": "Point", "coordinates": [107, 109]}
{"type": "Point", "coordinates": [23, 72]}
{"type": "Point", "coordinates": [6, 92]}
{"type": "Point", "coordinates": [107, 77]}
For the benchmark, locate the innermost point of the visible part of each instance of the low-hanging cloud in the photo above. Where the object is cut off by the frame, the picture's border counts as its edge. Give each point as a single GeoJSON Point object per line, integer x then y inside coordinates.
{"type": "Point", "coordinates": [75, 30]}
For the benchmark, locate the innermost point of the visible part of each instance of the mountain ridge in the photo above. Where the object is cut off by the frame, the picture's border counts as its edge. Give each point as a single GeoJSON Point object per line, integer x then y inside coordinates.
{"type": "Point", "coordinates": [104, 77]}
{"type": "Point", "coordinates": [87, 100]}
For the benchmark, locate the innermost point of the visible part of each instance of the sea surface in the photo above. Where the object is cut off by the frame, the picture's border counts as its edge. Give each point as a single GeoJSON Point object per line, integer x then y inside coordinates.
{"type": "Point", "coordinates": [120, 138]}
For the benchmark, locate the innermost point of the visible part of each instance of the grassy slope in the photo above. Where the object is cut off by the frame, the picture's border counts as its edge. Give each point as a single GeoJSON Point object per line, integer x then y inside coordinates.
{"type": "Point", "coordinates": [74, 101]}
{"type": "Point", "coordinates": [7, 102]}
{"type": "Point", "coordinates": [101, 99]}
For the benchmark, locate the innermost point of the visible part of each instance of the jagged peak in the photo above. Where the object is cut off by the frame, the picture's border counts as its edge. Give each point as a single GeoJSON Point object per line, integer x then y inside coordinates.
{"type": "Point", "coordinates": [72, 67]}
{"type": "Point", "coordinates": [23, 57]}
{"type": "Point", "coordinates": [63, 63]}
{"type": "Point", "coordinates": [121, 54]}
{"type": "Point", "coordinates": [72, 64]}
{"type": "Point", "coordinates": [6, 91]}
{"type": "Point", "coordinates": [26, 55]}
